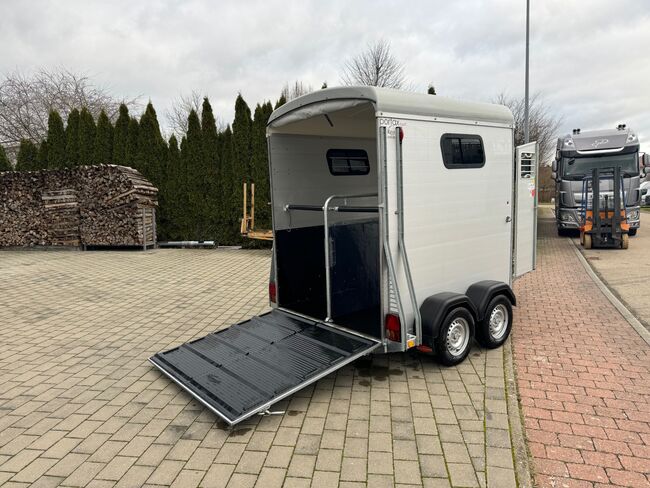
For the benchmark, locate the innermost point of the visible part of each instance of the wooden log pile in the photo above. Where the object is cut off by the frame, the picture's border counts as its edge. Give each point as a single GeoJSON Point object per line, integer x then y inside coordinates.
{"type": "Point", "coordinates": [103, 205]}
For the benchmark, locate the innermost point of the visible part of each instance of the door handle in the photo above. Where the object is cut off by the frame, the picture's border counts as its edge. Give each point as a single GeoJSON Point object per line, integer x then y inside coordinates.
{"type": "Point", "coordinates": [508, 218]}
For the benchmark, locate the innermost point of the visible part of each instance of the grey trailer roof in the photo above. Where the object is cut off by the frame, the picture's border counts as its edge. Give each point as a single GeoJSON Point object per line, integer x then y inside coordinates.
{"type": "Point", "coordinates": [387, 100]}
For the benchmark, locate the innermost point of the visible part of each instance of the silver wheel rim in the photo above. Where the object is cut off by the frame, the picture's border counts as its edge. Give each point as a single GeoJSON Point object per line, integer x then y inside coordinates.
{"type": "Point", "coordinates": [457, 337]}
{"type": "Point", "coordinates": [498, 321]}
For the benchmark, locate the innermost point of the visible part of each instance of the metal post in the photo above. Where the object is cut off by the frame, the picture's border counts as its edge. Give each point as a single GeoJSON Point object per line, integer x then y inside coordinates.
{"type": "Point", "coordinates": [328, 285]}
{"type": "Point", "coordinates": [526, 121]}
{"type": "Point", "coordinates": [154, 238]}
{"type": "Point", "coordinates": [326, 209]}
{"type": "Point", "coordinates": [244, 224]}
{"type": "Point", "coordinates": [400, 233]}
{"type": "Point", "coordinates": [252, 206]}
{"type": "Point", "coordinates": [144, 230]}
{"type": "Point", "coordinates": [386, 240]}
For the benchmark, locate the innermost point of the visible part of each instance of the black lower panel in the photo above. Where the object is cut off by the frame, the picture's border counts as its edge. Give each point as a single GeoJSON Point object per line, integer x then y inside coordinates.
{"type": "Point", "coordinates": [300, 255]}
{"type": "Point", "coordinates": [241, 370]}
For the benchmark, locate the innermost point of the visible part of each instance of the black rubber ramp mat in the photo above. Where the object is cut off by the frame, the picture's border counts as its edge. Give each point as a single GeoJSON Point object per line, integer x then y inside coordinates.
{"type": "Point", "coordinates": [244, 369]}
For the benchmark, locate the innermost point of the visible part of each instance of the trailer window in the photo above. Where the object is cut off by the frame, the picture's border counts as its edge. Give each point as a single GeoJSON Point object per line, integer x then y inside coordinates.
{"type": "Point", "coordinates": [347, 162]}
{"type": "Point", "coordinates": [462, 151]}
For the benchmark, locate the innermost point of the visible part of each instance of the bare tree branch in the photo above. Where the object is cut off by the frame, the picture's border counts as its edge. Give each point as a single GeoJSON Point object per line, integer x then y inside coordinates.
{"type": "Point", "coordinates": [180, 110]}
{"type": "Point", "coordinates": [375, 66]}
{"type": "Point", "coordinates": [543, 123]}
{"type": "Point", "coordinates": [297, 89]}
{"type": "Point", "coordinates": [25, 102]}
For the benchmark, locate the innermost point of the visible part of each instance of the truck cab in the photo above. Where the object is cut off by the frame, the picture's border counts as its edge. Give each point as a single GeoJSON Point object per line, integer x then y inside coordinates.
{"type": "Point", "coordinates": [578, 154]}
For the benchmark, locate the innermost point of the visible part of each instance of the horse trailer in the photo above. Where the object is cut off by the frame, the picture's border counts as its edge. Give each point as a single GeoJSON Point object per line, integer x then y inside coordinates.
{"type": "Point", "coordinates": [399, 222]}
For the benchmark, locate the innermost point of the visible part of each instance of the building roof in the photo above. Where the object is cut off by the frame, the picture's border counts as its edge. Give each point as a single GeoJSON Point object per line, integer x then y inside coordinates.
{"type": "Point", "coordinates": [387, 100]}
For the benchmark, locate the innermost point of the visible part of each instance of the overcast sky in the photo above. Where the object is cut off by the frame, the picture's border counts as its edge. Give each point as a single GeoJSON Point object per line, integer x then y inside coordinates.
{"type": "Point", "coordinates": [590, 59]}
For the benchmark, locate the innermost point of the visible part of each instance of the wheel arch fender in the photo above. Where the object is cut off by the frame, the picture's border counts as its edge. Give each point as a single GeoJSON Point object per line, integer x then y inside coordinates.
{"type": "Point", "coordinates": [435, 308]}
{"type": "Point", "coordinates": [481, 292]}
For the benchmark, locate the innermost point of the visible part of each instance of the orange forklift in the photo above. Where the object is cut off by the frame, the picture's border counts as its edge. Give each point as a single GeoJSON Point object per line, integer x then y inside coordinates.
{"type": "Point", "coordinates": [604, 222]}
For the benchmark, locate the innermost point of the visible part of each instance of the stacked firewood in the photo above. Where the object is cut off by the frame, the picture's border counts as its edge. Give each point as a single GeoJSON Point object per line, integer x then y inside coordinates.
{"type": "Point", "coordinates": [103, 205]}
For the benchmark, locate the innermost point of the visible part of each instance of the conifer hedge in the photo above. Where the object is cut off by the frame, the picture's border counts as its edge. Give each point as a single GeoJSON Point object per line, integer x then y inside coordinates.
{"type": "Point", "coordinates": [200, 178]}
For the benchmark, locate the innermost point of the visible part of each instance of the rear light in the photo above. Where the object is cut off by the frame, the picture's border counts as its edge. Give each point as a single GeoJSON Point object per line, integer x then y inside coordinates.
{"type": "Point", "coordinates": [273, 292]}
{"type": "Point", "coordinates": [393, 328]}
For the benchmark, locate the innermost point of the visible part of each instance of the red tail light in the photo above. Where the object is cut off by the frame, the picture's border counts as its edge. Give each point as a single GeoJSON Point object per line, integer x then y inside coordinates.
{"type": "Point", "coordinates": [273, 292]}
{"type": "Point", "coordinates": [393, 328]}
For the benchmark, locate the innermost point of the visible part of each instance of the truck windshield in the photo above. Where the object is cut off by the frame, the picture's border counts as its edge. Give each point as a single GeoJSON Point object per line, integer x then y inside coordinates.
{"type": "Point", "coordinates": [577, 168]}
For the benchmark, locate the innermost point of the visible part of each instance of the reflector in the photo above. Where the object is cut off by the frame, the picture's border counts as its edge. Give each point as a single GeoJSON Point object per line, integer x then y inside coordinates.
{"type": "Point", "coordinates": [393, 328]}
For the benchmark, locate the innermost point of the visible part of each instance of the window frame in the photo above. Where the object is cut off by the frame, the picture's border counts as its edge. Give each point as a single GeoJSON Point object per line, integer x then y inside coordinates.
{"type": "Point", "coordinates": [330, 157]}
{"type": "Point", "coordinates": [450, 165]}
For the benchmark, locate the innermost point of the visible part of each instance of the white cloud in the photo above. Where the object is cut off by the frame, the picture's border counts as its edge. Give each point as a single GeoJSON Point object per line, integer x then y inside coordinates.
{"type": "Point", "coordinates": [589, 60]}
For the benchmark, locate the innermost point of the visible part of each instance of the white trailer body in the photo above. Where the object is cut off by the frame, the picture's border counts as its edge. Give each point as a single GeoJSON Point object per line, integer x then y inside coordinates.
{"type": "Point", "coordinates": [395, 221]}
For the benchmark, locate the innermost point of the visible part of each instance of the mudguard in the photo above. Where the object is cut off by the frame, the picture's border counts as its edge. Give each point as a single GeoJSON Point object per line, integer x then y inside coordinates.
{"type": "Point", "coordinates": [482, 292]}
{"type": "Point", "coordinates": [434, 310]}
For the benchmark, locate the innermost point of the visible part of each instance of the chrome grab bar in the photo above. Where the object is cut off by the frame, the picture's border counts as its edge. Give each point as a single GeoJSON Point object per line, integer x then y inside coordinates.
{"type": "Point", "coordinates": [326, 209]}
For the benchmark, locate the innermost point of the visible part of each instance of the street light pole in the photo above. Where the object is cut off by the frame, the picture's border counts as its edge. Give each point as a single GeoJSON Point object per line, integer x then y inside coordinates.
{"type": "Point", "coordinates": [526, 123]}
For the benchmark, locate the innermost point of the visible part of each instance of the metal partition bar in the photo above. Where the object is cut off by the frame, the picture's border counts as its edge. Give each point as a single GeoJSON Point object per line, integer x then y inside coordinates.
{"type": "Point", "coordinates": [338, 208]}
{"type": "Point", "coordinates": [326, 208]}
{"type": "Point", "coordinates": [384, 205]}
{"type": "Point", "coordinates": [400, 228]}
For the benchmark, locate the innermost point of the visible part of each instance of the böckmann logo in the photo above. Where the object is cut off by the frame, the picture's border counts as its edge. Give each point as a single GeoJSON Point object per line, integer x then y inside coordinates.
{"type": "Point", "coordinates": [599, 142]}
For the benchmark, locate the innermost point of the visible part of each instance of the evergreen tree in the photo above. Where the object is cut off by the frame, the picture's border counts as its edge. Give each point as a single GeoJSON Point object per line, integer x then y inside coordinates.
{"type": "Point", "coordinates": [183, 210]}
{"type": "Point", "coordinates": [193, 162]}
{"type": "Point", "coordinates": [151, 149]}
{"type": "Point", "coordinates": [55, 141]}
{"type": "Point", "coordinates": [209, 184]}
{"type": "Point", "coordinates": [260, 171]}
{"type": "Point", "coordinates": [41, 158]}
{"type": "Point", "coordinates": [103, 140]}
{"type": "Point", "coordinates": [228, 231]}
{"type": "Point", "coordinates": [131, 148]}
{"type": "Point", "coordinates": [27, 159]}
{"type": "Point", "coordinates": [87, 131]}
{"type": "Point", "coordinates": [241, 160]}
{"type": "Point", "coordinates": [5, 165]}
{"type": "Point", "coordinates": [281, 101]}
{"type": "Point", "coordinates": [170, 195]}
{"type": "Point", "coordinates": [72, 138]}
{"type": "Point", "coordinates": [324, 85]}
{"type": "Point", "coordinates": [120, 136]}
{"type": "Point", "coordinates": [431, 90]}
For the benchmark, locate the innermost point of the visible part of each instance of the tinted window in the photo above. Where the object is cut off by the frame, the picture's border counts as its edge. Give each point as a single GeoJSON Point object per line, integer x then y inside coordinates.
{"type": "Point", "coordinates": [462, 151]}
{"type": "Point", "coordinates": [344, 162]}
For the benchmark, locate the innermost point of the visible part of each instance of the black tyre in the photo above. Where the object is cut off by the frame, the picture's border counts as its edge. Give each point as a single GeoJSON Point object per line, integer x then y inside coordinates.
{"type": "Point", "coordinates": [455, 339]}
{"type": "Point", "coordinates": [495, 328]}
{"type": "Point", "coordinates": [632, 232]}
{"type": "Point", "coordinates": [562, 232]}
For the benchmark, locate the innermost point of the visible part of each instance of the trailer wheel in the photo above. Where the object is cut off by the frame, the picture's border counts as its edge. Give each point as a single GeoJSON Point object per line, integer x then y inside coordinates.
{"type": "Point", "coordinates": [587, 243]}
{"type": "Point", "coordinates": [455, 339]}
{"type": "Point", "coordinates": [495, 328]}
{"type": "Point", "coordinates": [625, 241]}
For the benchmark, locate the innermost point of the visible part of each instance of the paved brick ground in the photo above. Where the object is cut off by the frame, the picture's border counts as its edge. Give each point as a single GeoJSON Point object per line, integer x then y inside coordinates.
{"type": "Point", "coordinates": [81, 406]}
{"type": "Point", "coordinates": [583, 376]}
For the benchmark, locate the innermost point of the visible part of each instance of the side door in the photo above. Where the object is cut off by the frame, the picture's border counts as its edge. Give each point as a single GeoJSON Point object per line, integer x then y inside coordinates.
{"type": "Point", "coordinates": [525, 245]}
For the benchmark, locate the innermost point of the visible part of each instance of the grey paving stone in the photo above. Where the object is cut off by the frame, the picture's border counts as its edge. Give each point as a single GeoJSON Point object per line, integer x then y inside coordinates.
{"type": "Point", "coordinates": [98, 414]}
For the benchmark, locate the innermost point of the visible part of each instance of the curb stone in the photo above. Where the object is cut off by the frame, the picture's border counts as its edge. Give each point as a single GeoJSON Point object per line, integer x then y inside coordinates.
{"type": "Point", "coordinates": [516, 421]}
